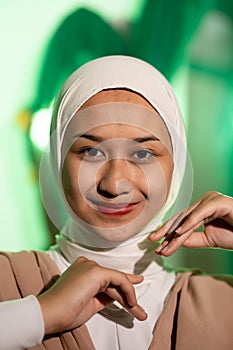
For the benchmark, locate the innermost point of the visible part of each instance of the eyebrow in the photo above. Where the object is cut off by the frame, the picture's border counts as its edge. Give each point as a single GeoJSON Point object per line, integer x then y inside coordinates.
{"type": "Point", "coordinates": [146, 139]}
{"type": "Point", "coordinates": [96, 138]}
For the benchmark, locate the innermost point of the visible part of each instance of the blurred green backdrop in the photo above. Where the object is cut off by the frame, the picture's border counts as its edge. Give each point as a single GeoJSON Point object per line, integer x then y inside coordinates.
{"type": "Point", "coordinates": [190, 41]}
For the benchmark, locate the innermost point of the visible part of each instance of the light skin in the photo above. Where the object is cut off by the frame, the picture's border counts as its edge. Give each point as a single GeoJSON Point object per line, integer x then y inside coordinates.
{"type": "Point", "coordinates": [214, 211]}
{"type": "Point", "coordinates": [124, 171]}
{"type": "Point", "coordinates": [72, 300]}
{"type": "Point", "coordinates": [67, 305]}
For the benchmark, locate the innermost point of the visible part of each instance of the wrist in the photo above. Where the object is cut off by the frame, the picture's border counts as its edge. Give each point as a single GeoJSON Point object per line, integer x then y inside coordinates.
{"type": "Point", "coordinates": [51, 319]}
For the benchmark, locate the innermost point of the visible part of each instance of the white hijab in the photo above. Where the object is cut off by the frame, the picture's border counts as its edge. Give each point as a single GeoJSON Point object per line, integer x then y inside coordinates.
{"type": "Point", "coordinates": [113, 72]}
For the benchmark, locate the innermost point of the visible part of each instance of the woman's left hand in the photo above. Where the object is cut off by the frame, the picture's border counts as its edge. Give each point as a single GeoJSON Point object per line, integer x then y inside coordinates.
{"type": "Point", "coordinates": [214, 211]}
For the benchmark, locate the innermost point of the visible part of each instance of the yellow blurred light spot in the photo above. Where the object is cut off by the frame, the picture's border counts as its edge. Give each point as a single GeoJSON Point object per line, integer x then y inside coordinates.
{"type": "Point", "coordinates": [24, 119]}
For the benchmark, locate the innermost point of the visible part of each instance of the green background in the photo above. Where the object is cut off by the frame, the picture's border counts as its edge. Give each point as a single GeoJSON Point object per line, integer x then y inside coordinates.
{"type": "Point", "coordinates": [191, 42]}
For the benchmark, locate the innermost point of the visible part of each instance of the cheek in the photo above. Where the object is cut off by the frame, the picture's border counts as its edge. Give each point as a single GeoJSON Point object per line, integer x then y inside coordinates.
{"type": "Point", "coordinates": [78, 179]}
{"type": "Point", "coordinates": [86, 176]}
{"type": "Point", "coordinates": [159, 180]}
{"type": "Point", "coordinates": [70, 177]}
{"type": "Point", "coordinates": [168, 165]}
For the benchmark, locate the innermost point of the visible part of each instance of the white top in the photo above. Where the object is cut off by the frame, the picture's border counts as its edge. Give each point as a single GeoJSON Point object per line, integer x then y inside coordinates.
{"type": "Point", "coordinates": [21, 324]}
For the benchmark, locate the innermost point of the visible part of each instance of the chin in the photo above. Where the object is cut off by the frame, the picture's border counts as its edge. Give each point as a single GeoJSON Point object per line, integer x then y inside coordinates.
{"type": "Point", "coordinates": [117, 234]}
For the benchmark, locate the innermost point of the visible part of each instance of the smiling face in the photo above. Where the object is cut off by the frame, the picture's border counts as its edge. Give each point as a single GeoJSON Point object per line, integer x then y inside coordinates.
{"type": "Point", "coordinates": [117, 173]}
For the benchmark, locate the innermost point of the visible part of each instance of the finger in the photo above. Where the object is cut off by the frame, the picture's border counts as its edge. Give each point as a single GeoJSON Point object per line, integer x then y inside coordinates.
{"type": "Point", "coordinates": [173, 236]}
{"type": "Point", "coordinates": [102, 300]}
{"type": "Point", "coordinates": [122, 290]}
{"type": "Point", "coordinates": [129, 290]}
{"type": "Point", "coordinates": [190, 239]}
{"type": "Point", "coordinates": [161, 246]}
{"type": "Point", "coordinates": [121, 281]}
{"type": "Point", "coordinates": [135, 279]}
{"type": "Point", "coordinates": [211, 206]}
{"type": "Point", "coordinates": [167, 248]}
{"type": "Point", "coordinates": [189, 228]}
{"type": "Point", "coordinates": [196, 240]}
{"type": "Point", "coordinates": [196, 219]}
{"type": "Point", "coordinates": [172, 224]}
{"type": "Point", "coordinates": [136, 310]}
{"type": "Point", "coordinates": [161, 232]}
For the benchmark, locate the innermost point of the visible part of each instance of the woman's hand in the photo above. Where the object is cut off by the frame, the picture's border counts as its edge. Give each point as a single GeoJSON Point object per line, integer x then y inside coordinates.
{"type": "Point", "coordinates": [214, 211]}
{"type": "Point", "coordinates": [84, 289]}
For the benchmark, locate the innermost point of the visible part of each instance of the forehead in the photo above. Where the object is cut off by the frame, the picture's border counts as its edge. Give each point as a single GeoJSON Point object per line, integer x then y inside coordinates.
{"type": "Point", "coordinates": [117, 114]}
{"type": "Point", "coordinates": [129, 112]}
{"type": "Point", "coordinates": [117, 95]}
{"type": "Point", "coordinates": [119, 130]}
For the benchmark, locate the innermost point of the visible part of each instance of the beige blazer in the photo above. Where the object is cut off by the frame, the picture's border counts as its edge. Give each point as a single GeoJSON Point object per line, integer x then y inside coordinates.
{"type": "Point", "coordinates": [198, 314]}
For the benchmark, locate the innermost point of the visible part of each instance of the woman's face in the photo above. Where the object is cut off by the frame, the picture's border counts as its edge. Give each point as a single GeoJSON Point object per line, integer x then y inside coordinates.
{"type": "Point", "coordinates": [117, 173]}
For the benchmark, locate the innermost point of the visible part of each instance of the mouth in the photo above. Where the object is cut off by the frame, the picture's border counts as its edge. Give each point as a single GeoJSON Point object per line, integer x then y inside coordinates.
{"type": "Point", "coordinates": [115, 209]}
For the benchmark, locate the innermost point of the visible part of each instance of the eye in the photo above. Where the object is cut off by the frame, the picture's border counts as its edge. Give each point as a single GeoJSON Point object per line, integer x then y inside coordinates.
{"type": "Point", "coordinates": [93, 152]}
{"type": "Point", "coordinates": [142, 154]}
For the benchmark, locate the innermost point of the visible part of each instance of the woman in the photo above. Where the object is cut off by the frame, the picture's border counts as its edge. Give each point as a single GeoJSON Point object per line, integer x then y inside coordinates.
{"type": "Point", "coordinates": [118, 155]}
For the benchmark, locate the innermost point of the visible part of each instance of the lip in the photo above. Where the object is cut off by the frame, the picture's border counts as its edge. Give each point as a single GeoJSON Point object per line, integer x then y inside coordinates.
{"type": "Point", "coordinates": [115, 209]}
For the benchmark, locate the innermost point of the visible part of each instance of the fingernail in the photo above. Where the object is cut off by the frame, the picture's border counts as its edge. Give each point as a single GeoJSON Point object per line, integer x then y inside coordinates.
{"type": "Point", "coordinates": [179, 229]}
{"type": "Point", "coordinates": [158, 249]}
{"type": "Point", "coordinates": [142, 310]}
{"type": "Point", "coordinates": [158, 253]}
{"type": "Point", "coordinates": [152, 235]}
{"type": "Point", "coordinates": [164, 250]}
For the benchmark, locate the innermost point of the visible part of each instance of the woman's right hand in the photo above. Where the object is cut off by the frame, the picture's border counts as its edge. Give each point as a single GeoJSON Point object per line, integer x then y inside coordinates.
{"type": "Point", "coordinates": [84, 289]}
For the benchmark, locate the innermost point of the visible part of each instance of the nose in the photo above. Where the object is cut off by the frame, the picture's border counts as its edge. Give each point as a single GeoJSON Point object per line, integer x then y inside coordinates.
{"type": "Point", "coordinates": [115, 179]}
